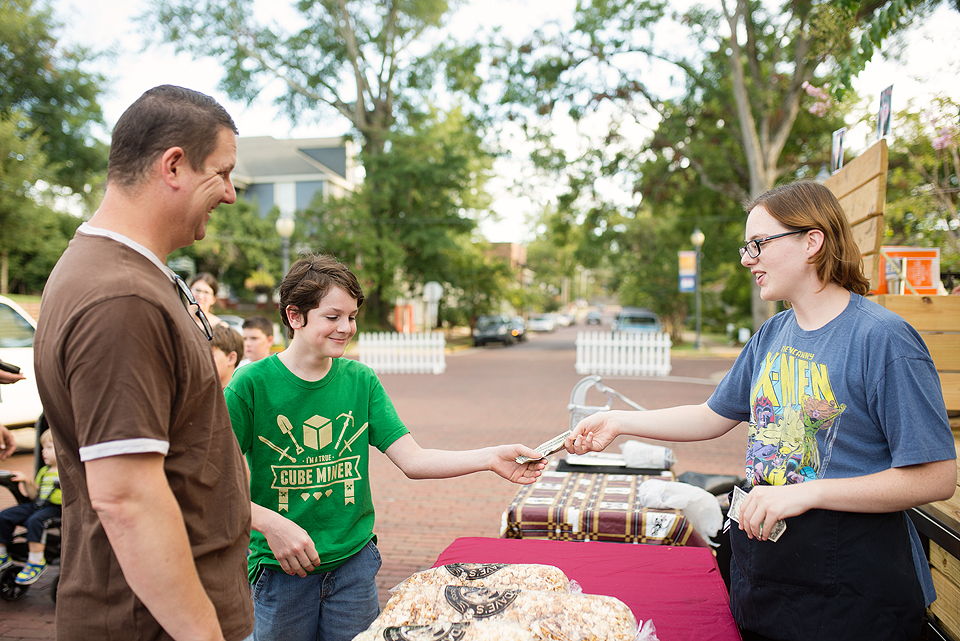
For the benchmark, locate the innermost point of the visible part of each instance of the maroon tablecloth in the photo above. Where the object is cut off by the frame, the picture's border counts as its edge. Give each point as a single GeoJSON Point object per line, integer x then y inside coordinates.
{"type": "Point", "coordinates": [678, 587]}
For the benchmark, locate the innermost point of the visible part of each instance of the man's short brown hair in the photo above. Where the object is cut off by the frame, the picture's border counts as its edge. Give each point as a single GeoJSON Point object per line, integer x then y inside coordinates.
{"type": "Point", "coordinates": [309, 280]}
{"type": "Point", "coordinates": [164, 117]}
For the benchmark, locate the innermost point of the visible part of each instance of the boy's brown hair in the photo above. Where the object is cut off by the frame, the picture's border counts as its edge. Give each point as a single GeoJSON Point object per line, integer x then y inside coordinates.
{"type": "Point", "coordinates": [309, 280]}
{"type": "Point", "coordinates": [227, 340]}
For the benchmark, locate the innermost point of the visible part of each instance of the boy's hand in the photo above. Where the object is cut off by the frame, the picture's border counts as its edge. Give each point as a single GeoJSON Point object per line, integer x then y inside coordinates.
{"type": "Point", "coordinates": [292, 546]}
{"type": "Point", "coordinates": [19, 477]}
{"type": "Point", "coordinates": [505, 465]}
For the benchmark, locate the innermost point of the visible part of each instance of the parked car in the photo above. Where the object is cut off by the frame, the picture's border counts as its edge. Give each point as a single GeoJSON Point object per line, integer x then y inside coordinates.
{"type": "Point", "coordinates": [496, 328]}
{"type": "Point", "coordinates": [519, 328]}
{"type": "Point", "coordinates": [542, 323]}
{"type": "Point", "coordinates": [632, 319]}
{"type": "Point", "coordinates": [594, 317]}
{"type": "Point", "coordinates": [233, 321]}
{"type": "Point", "coordinates": [562, 320]}
{"type": "Point", "coordinates": [20, 402]}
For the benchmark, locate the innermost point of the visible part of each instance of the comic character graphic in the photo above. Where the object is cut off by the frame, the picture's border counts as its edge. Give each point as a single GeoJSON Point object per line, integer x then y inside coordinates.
{"type": "Point", "coordinates": [818, 414]}
{"type": "Point", "coordinates": [784, 449]}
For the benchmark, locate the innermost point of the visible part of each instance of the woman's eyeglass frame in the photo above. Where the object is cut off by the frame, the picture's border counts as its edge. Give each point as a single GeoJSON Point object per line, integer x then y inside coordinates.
{"type": "Point", "coordinates": [186, 296]}
{"type": "Point", "coordinates": [755, 244]}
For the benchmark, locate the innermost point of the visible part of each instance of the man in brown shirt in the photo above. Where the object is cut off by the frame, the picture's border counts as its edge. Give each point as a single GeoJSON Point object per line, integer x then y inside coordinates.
{"type": "Point", "coordinates": [156, 515]}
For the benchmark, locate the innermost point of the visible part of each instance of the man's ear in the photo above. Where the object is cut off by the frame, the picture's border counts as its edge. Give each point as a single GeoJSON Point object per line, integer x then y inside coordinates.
{"type": "Point", "coordinates": [172, 163]}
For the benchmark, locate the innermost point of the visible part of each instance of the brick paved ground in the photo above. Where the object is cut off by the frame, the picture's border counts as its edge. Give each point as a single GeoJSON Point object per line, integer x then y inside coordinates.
{"type": "Point", "coordinates": [487, 396]}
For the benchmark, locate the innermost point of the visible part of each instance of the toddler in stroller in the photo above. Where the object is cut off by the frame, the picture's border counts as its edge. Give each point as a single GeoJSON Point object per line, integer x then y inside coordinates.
{"type": "Point", "coordinates": [38, 511]}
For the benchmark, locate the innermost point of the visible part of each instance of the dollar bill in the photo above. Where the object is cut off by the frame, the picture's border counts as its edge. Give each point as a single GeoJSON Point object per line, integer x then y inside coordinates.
{"type": "Point", "coordinates": [546, 449]}
{"type": "Point", "coordinates": [734, 515]}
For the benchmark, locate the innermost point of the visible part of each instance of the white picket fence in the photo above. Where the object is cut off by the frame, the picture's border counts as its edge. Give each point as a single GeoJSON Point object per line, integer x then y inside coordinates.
{"type": "Point", "coordinates": [393, 353]}
{"type": "Point", "coordinates": [623, 353]}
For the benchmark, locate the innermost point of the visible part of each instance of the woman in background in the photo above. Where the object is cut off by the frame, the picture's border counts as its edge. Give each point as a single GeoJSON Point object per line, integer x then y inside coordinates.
{"type": "Point", "coordinates": [204, 287]}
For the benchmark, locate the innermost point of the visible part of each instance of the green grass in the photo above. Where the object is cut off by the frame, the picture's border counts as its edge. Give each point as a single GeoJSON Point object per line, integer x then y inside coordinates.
{"type": "Point", "coordinates": [20, 299]}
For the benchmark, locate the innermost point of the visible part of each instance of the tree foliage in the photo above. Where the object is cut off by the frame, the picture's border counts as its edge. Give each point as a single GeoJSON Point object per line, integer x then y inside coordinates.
{"type": "Point", "coordinates": [747, 62]}
{"type": "Point", "coordinates": [239, 243]}
{"type": "Point", "coordinates": [33, 235]}
{"type": "Point", "coordinates": [48, 85]}
{"type": "Point", "coordinates": [923, 183]}
{"type": "Point", "coordinates": [405, 226]}
{"type": "Point", "coordinates": [379, 65]}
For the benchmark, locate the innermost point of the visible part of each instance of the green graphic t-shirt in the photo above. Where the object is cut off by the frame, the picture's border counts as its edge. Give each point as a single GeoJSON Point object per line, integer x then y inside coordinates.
{"type": "Point", "coordinates": [307, 446]}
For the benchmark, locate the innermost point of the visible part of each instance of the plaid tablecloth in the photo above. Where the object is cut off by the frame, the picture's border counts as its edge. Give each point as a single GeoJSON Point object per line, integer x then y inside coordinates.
{"type": "Point", "coordinates": [576, 506]}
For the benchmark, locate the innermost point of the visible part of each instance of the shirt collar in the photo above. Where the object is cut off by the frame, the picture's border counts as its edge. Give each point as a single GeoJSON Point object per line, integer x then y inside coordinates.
{"type": "Point", "coordinates": [90, 230]}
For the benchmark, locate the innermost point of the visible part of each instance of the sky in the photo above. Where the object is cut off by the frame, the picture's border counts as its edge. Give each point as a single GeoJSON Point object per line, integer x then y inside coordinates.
{"type": "Point", "coordinates": [933, 65]}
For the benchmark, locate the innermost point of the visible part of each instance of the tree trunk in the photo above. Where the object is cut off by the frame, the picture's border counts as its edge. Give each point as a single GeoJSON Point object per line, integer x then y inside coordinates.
{"type": "Point", "coordinates": [4, 268]}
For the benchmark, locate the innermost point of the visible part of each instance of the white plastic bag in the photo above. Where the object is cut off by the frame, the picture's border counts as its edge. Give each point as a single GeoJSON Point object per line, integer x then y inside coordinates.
{"type": "Point", "coordinates": [699, 507]}
{"type": "Point", "coordinates": [644, 455]}
{"type": "Point", "coordinates": [646, 631]}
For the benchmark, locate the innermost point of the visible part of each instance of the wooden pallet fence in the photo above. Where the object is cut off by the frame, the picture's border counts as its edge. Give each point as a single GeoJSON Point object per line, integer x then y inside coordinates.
{"type": "Point", "coordinates": [623, 353]}
{"type": "Point", "coordinates": [393, 353]}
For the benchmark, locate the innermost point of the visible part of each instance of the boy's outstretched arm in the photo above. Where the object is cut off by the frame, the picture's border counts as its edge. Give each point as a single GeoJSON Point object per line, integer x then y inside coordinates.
{"type": "Point", "coordinates": [418, 463]}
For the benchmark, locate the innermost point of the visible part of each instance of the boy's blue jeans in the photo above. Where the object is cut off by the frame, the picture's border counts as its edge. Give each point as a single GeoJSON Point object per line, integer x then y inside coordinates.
{"type": "Point", "coordinates": [328, 606]}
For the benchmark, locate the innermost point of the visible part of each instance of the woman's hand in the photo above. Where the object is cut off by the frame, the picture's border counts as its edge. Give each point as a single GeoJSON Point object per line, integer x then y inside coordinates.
{"type": "Point", "coordinates": [594, 433]}
{"type": "Point", "coordinates": [767, 504]}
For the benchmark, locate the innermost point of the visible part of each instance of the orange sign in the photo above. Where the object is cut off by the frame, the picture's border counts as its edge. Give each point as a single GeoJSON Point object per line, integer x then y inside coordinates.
{"type": "Point", "coordinates": [919, 265]}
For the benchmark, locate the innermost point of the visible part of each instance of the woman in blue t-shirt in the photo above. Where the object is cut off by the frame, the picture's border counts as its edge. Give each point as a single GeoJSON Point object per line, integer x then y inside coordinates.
{"type": "Point", "coordinates": [847, 430]}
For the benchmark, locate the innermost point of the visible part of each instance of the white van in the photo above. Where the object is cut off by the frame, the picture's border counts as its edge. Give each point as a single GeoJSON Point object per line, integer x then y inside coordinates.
{"type": "Point", "coordinates": [19, 402]}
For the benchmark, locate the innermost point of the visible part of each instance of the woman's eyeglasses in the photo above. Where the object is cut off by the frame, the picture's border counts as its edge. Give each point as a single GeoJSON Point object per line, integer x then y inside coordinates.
{"type": "Point", "coordinates": [753, 246]}
{"type": "Point", "coordinates": [186, 297]}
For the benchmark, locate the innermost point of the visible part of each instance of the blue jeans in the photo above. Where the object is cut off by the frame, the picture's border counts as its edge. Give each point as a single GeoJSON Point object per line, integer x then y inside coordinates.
{"type": "Point", "coordinates": [327, 606]}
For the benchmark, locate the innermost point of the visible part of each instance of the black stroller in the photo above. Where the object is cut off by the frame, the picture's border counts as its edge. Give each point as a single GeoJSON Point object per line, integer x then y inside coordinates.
{"type": "Point", "coordinates": [10, 590]}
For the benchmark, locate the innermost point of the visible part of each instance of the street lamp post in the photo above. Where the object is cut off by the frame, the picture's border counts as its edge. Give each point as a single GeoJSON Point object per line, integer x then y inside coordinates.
{"type": "Point", "coordinates": [697, 239]}
{"type": "Point", "coordinates": [285, 226]}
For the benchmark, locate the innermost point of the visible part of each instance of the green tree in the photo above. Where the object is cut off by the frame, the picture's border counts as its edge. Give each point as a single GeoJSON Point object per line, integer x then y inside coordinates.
{"type": "Point", "coordinates": [22, 163]}
{"type": "Point", "coordinates": [923, 183]}
{"type": "Point", "coordinates": [403, 230]}
{"type": "Point", "coordinates": [48, 84]}
{"type": "Point", "coordinates": [377, 64]}
{"type": "Point", "coordinates": [771, 56]}
{"type": "Point", "coordinates": [475, 284]}
{"type": "Point", "coordinates": [239, 242]}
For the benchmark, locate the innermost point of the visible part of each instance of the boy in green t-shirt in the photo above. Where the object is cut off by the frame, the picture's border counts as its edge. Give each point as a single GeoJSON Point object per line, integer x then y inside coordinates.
{"type": "Point", "coordinates": [305, 419]}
